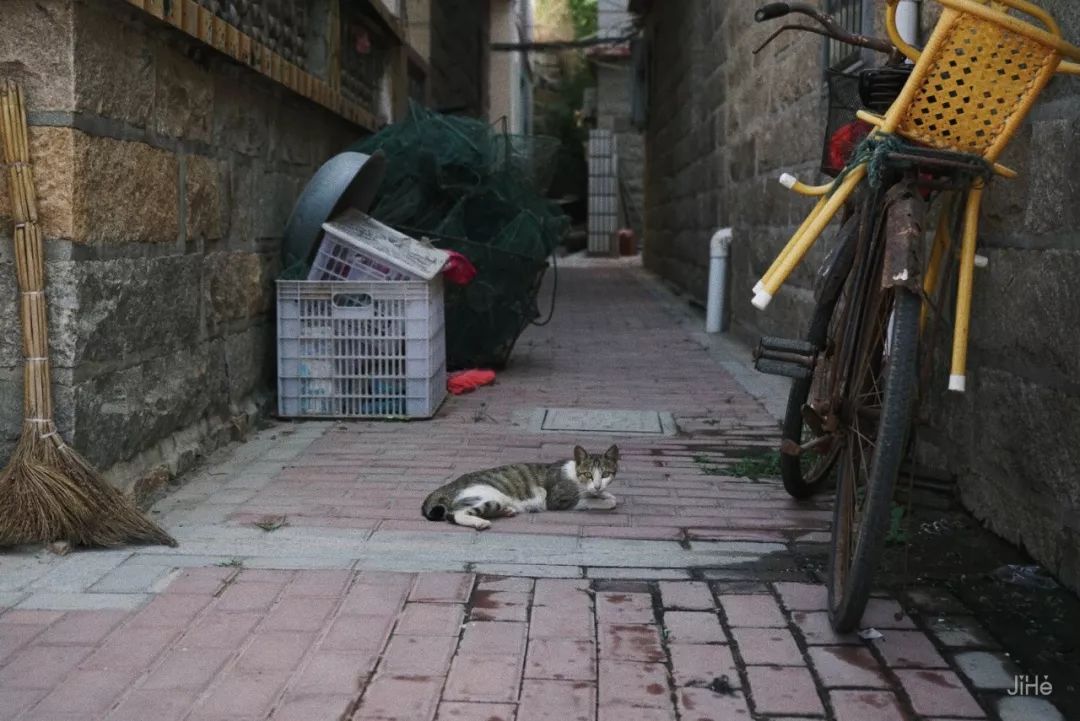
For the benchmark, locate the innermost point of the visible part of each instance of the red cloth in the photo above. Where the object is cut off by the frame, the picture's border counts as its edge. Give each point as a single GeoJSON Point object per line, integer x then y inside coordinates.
{"type": "Point", "coordinates": [466, 381]}
{"type": "Point", "coordinates": [459, 270]}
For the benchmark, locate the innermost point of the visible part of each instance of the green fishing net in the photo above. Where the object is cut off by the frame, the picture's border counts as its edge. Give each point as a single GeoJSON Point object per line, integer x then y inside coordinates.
{"type": "Point", "coordinates": [478, 190]}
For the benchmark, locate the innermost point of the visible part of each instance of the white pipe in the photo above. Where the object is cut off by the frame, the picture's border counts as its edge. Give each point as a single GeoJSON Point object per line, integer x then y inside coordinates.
{"type": "Point", "coordinates": [907, 21]}
{"type": "Point", "coordinates": [719, 249]}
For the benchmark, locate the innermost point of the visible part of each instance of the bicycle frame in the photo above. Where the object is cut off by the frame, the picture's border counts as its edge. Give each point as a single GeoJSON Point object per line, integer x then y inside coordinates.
{"type": "Point", "coordinates": [1048, 48]}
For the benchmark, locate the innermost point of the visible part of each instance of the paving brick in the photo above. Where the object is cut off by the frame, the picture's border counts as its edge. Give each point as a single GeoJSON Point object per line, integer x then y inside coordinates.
{"type": "Point", "coordinates": [624, 608]}
{"type": "Point", "coordinates": [909, 649]}
{"type": "Point", "coordinates": [691, 596]}
{"type": "Point", "coordinates": [431, 619]}
{"type": "Point", "coordinates": [442, 587]}
{"type": "Point", "coordinates": [157, 705]}
{"type": "Point", "coordinates": [274, 651]}
{"type": "Point", "coordinates": [483, 678]}
{"type": "Point", "coordinates": [559, 659]}
{"type": "Point", "coordinates": [335, 672]}
{"type": "Point", "coordinates": [40, 666]}
{"type": "Point", "coordinates": [319, 583]}
{"type": "Point", "coordinates": [364, 599]}
{"type": "Point", "coordinates": [694, 664]}
{"type": "Point", "coordinates": [701, 704]}
{"type": "Point", "coordinates": [351, 633]}
{"type": "Point", "coordinates": [483, 638]}
{"type": "Point", "coordinates": [16, 636]}
{"type": "Point", "coordinates": [499, 606]}
{"type": "Point", "coordinates": [91, 693]}
{"type": "Point", "coordinates": [28, 617]}
{"type": "Point", "coordinates": [299, 614]}
{"type": "Point", "coordinates": [770, 646]}
{"type": "Point", "coordinates": [865, 705]}
{"type": "Point", "coordinates": [170, 611]}
{"type": "Point", "coordinates": [624, 713]}
{"type": "Point", "coordinates": [201, 581]}
{"type": "Point", "coordinates": [427, 655]}
{"type": "Point", "coordinates": [626, 683]}
{"type": "Point", "coordinates": [816, 630]}
{"type": "Point", "coordinates": [460, 711]}
{"type": "Point", "coordinates": [938, 693]}
{"type": "Point", "coordinates": [187, 668]}
{"type": "Point", "coordinates": [83, 627]}
{"type": "Point", "coordinates": [544, 700]}
{"type": "Point", "coordinates": [847, 666]}
{"type": "Point", "coordinates": [803, 596]}
{"type": "Point", "coordinates": [219, 629]}
{"type": "Point", "coordinates": [243, 694]}
{"type": "Point", "coordinates": [246, 596]}
{"type": "Point", "coordinates": [884, 613]}
{"type": "Point", "coordinates": [503, 584]}
{"type": "Point", "coordinates": [561, 593]}
{"type": "Point", "coordinates": [133, 648]}
{"type": "Point", "coordinates": [312, 708]}
{"type": "Point", "coordinates": [961, 632]}
{"type": "Point", "coordinates": [987, 670]}
{"type": "Point", "coordinates": [693, 627]}
{"type": "Point", "coordinates": [551, 622]}
{"type": "Point", "coordinates": [754, 610]}
{"type": "Point", "coordinates": [783, 691]}
{"type": "Point", "coordinates": [1027, 708]}
{"type": "Point", "coordinates": [14, 701]}
{"type": "Point", "coordinates": [631, 642]}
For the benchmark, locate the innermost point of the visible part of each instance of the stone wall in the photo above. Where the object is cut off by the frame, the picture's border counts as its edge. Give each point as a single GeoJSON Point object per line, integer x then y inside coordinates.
{"type": "Point", "coordinates": [459, 56]}
{"type": "Point", "coordinates": [723, 124]}
{"type": "Point", "coordinates": [166, 173]}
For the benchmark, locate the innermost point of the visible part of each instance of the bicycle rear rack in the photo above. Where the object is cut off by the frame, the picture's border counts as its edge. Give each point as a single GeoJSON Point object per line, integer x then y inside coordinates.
{"type": "Point", "coordinates": [785, 357]}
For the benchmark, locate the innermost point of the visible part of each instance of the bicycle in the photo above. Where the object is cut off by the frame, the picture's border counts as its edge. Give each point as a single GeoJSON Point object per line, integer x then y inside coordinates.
{"type": "Point", "coordinates": [936, 122]}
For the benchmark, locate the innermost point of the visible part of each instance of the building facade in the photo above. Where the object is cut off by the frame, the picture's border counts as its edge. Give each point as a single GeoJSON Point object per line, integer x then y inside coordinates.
{"type": "Point", "coordinates": [723, 124]}
{"type": "Point", "coordinates": [170, 142]}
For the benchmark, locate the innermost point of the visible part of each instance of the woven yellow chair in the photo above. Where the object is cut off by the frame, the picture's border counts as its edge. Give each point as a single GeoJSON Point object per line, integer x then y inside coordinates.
{"type": "Point", "coordinates": [971, 88]}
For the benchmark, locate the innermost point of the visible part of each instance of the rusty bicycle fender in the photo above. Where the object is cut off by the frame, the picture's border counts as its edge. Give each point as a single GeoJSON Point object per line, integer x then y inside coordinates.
{"type": "Point", "coordinates": [905, 217]}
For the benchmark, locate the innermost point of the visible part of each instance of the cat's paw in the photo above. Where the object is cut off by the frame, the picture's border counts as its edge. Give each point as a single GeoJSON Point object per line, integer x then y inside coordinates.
{"type": "Point", "coordinates": [606, 502]}
{"type": "Point", "coordinates": [509, 512]}
{"type": "Point", "coordinates": [482, 524]}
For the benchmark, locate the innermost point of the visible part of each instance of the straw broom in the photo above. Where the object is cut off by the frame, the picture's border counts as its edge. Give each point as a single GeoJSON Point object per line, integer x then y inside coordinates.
{"type": "Point", "coordinates": [48, 492]}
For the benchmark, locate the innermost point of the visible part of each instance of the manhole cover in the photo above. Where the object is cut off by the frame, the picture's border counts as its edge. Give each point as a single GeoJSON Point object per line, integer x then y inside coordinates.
{"type": "Point", "coordinates": [583, 420]}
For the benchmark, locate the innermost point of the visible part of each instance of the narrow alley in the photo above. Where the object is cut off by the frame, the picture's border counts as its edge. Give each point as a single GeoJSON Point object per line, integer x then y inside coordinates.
{"type": "Point", "coordinates": [307, 586]}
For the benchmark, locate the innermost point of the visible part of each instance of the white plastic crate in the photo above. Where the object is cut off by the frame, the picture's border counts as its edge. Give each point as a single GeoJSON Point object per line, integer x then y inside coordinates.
{"type": "Point", "coordinates": [361, 349]}
{"type": "Point", "coordinates": [355, 246]}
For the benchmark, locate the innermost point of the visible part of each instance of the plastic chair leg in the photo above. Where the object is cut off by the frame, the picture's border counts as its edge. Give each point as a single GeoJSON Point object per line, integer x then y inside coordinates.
{"type": "Point", "coordinates": [801, 244]}
{"type": "Point", "coordinates": [958, 373]}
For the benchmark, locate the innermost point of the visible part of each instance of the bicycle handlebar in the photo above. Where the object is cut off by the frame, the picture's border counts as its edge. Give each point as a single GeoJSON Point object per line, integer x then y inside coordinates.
{"type": "Point", "coordinates": [772, 11]}
{"type": "Point", "coordinates": [832, 29]}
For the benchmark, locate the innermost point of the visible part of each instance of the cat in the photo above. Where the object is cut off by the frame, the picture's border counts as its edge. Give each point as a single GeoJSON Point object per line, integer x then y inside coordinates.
{"type": "Point", "coordinates": [577, 484]}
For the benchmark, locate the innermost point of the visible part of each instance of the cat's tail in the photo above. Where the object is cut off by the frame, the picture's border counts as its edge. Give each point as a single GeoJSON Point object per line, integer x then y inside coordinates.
{"type": "Point", "coordinates": [436, 506]}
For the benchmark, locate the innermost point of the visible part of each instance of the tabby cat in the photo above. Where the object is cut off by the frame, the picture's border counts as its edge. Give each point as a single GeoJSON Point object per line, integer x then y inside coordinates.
{"type": "Point", "coordinates": [577, 484]}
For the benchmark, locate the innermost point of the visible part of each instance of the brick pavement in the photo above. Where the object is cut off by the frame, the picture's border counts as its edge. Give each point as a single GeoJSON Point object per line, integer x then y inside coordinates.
{"type": "Point", "coordinates": [684, 603]}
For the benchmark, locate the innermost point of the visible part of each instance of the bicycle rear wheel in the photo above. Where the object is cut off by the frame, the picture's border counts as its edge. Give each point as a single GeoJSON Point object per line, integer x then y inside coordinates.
{"type": "Point", "coordinates": [805, 474]}
{"type": "Point", "coordinates": [878, 405]}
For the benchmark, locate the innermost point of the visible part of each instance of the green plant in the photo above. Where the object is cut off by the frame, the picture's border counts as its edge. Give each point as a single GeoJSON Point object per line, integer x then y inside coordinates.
{"type": "Point", "coordinates": [758, 466]}
{"type": "Point", "coordinates": [897, 528]}
{"type": "Point", "coordinates": [231, 563]}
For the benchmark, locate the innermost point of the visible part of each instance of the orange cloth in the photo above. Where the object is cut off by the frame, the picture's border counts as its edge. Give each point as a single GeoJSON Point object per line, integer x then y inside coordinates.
{"type": "Point", "coordinates": [466, 381]}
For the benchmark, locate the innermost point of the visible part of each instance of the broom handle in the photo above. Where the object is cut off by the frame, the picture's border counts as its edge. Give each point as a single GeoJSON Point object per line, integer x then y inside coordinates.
{"type": "Point", "coordinates": [29, 256]}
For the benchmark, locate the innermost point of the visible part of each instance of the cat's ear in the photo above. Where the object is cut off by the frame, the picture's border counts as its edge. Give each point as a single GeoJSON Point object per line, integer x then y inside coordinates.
{"type": "Point", "coordinates": [580, 455]}
{"type": "Point", "coordinates": [612, 454]}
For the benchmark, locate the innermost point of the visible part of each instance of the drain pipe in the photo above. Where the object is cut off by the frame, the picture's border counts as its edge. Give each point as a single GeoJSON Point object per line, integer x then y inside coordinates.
{"type": "Point", "coordinates": [719, 249]}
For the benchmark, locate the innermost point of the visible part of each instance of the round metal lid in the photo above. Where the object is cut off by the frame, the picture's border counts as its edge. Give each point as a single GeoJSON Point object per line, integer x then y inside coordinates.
{"type": "Point", "coordinates": [347, 180]}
